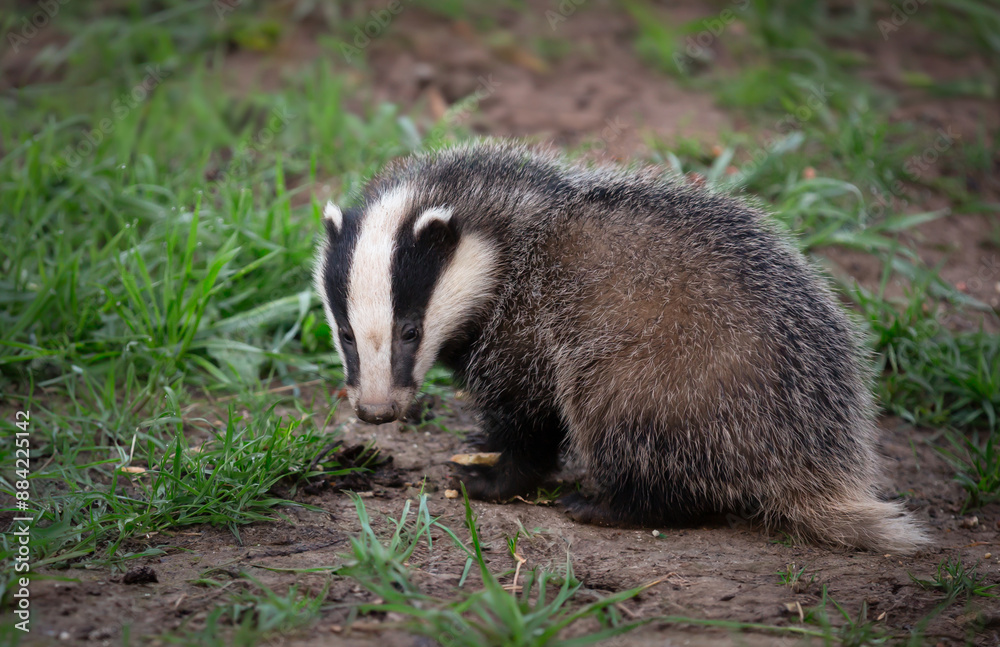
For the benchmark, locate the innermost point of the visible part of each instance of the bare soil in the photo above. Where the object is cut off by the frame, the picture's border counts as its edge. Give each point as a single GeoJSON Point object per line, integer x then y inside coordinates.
{"type": "Point", "coordinates": [722, 568]}
{"type": "Point", "coordinates": [601, 93]}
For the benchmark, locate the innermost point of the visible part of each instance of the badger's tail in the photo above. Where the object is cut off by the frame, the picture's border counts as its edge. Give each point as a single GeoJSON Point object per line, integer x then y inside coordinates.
{"type": "Point", "coordinates": [859, 521]}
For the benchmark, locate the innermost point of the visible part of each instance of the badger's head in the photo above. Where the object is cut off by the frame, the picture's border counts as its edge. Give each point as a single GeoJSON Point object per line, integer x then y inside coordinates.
{"type": "Point", "coordinates": [397, 280]}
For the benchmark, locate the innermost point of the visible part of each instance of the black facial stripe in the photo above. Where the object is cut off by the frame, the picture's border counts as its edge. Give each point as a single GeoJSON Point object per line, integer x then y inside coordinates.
{"type": "Point", "coordinates": [336, 274]}
{"type": "Point", "coordinates": [403, 359]}
{"type": "Point", "coordinates": [416, 266]}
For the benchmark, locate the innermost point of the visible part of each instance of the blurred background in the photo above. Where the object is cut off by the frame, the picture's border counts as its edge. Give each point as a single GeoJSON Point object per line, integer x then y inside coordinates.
{"type": "Point", "coordinates": [163, 166]}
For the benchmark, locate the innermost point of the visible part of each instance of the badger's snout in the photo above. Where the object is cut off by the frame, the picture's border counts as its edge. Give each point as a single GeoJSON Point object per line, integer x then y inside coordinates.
{"type": "Point", "coordinates": [377, 413]}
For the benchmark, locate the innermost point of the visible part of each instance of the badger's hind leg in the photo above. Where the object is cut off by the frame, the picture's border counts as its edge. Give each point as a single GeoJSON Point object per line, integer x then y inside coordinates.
{"type": "Point", "coordinates": [631, 487]}
{"type": "Point", "coordinates": [621, 510]}
{"type": "Point", "coordinates": [528, 442]}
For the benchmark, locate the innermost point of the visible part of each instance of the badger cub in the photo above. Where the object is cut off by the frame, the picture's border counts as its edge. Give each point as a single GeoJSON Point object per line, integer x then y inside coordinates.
{"type": "Point", "coordinates": [669, 337]}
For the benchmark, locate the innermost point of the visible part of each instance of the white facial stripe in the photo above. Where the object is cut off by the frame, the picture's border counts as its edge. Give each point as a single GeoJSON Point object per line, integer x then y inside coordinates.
{"type": "Point", "coordinates": [320, 288]}
{"type": "Point", "coordinates": [434, 214]}
{"type": "Point", "coordinates": [462, 288]}
{"type": "Point", "coordinates": [333, 213]}
{"type": "Point", "coordinates": [369, 294]}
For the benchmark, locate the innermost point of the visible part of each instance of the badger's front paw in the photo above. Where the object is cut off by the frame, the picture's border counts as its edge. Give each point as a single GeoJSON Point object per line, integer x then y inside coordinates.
{"type": "Point", "coordinates": [498, 482]}
{"type": "Point", "coordinates": [480, 482]}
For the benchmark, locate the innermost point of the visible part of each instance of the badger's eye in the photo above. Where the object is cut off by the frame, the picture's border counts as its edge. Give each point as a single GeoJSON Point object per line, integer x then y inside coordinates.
{"type": "Point", "coordinates": [347, 338]}
{"type": "Point", "coordinates": [410, 333]}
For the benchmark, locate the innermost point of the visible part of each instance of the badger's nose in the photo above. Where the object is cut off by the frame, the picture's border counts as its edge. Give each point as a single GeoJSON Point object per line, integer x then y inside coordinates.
{"type": "Point", "coordinates": [377, 413]}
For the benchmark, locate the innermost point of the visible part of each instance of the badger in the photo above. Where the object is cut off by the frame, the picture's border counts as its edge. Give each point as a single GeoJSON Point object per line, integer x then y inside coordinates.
{"type": "Point", "coordinates": [669, 337]}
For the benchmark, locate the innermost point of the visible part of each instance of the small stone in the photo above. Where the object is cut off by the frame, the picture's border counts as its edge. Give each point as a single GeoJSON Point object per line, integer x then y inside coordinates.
{"type": "Point", "coordinates": [101, 634]}
{"type": "Point", "coordinates": [64, 635]}
{"type": "Point", "coordinates": [970, 522]}
{"type": "Point", "coordinates": [656, 533]}
{"type": "Point", "coordinates": [423, 72]}
{"type": "Point", "coordinates": [987, 555]}
{"type": "Point", "coordinates": [451, 494]}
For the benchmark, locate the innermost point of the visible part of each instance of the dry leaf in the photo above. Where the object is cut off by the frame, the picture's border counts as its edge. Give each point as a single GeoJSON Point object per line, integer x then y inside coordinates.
{"type": "Point", "coordinates": [464, 30]}
{"type": "Point", "coordinates": [512, 52]}
{"type": "Point", "coordinates": [481, 458]}
{"type": "Point", "coordinates": [436, 103]}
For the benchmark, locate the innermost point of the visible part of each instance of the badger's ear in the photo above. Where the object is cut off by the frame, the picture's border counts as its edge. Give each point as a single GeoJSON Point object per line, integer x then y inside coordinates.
{"type": "Point", "coordinates": [333, 217]}
{"type": "Point", "coordinates": [436, 221]}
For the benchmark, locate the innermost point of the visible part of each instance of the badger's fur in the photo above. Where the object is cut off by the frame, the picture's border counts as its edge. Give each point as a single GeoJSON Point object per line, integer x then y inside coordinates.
{"type": "Point", "coordinates": [668, 336]}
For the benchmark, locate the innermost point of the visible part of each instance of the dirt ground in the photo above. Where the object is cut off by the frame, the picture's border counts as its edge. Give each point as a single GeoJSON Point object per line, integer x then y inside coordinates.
{"type": "Point", "coordinates": [720, 569]}
{"type": "Point", "coordinates": [723, 569]}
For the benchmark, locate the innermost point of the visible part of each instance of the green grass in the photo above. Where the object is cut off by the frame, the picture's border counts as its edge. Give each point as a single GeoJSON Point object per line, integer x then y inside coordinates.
{"type": "Point", "coordinates": [252, 617]}
{"type": "Point", "coordinates": [544, 606]}
{"type": "Point", "coordinates": [977, 467]}
{"type": "Point", "coordinates": [792, 576]}
{"type": "Point", "coordinates": [155, 254]}
{"type": "Point", "coordinates": [958, 581]}
{"type": "Point", "coordinates": [839, 627]}
{"type": "Point", "coordinates": [932, 376]}
{"type": "Point", "coordinates": [88, 506]}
